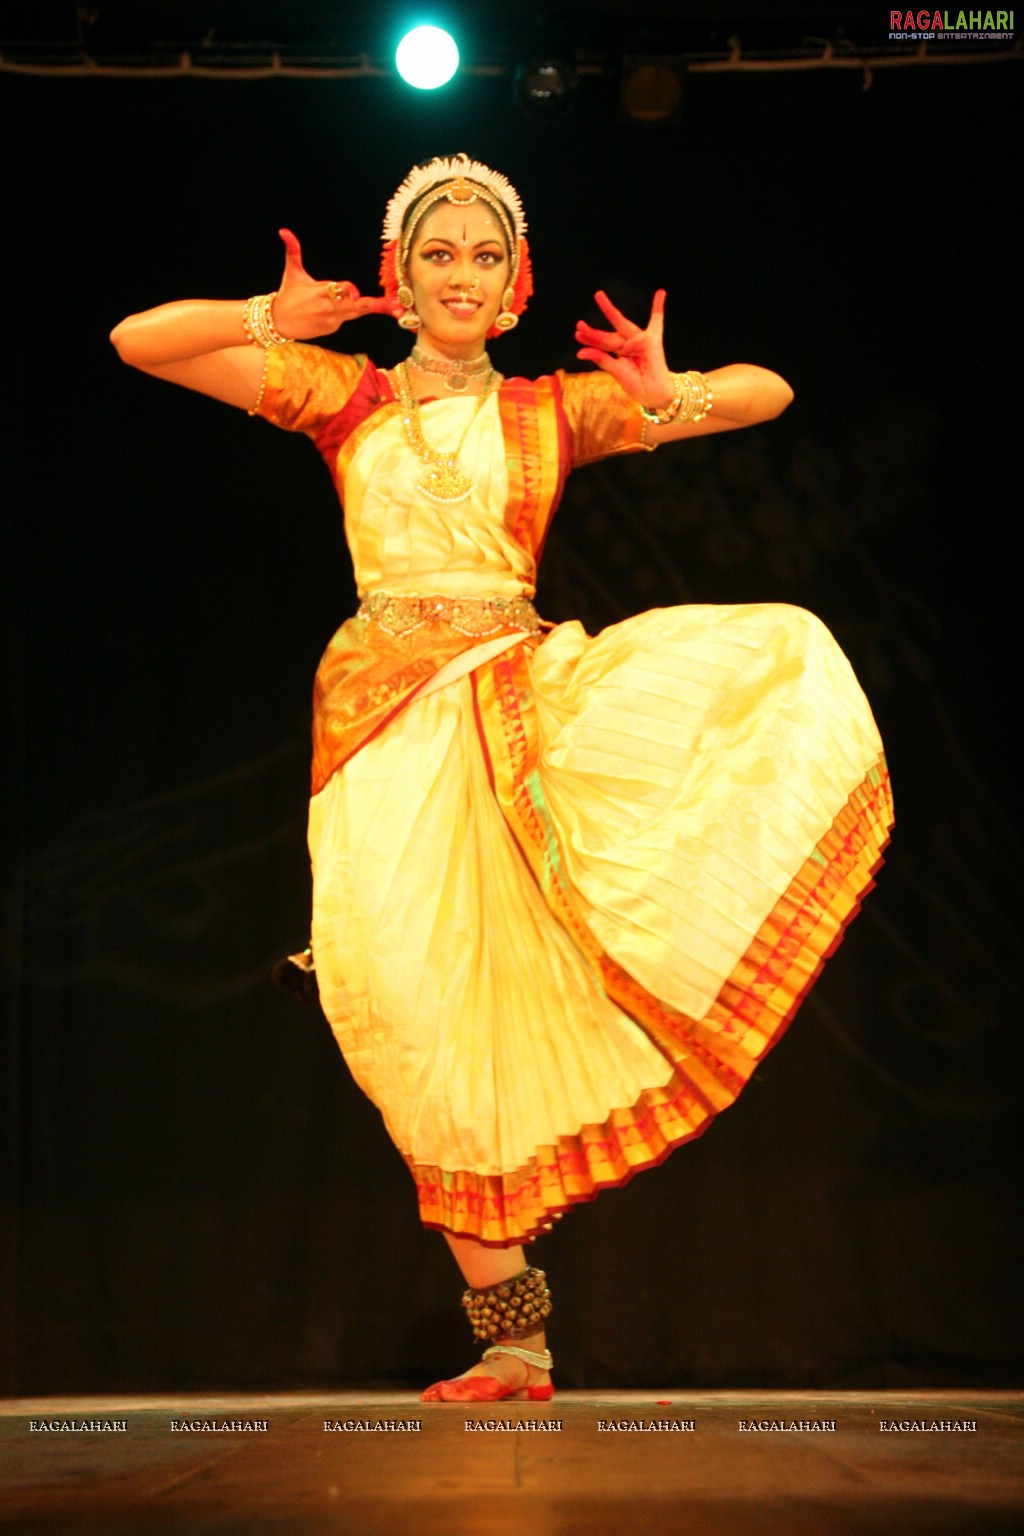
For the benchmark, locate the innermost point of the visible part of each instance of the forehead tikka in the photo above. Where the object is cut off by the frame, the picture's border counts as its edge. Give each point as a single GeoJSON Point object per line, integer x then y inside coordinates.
{"type": "Point", "coordinates": [454, 192]}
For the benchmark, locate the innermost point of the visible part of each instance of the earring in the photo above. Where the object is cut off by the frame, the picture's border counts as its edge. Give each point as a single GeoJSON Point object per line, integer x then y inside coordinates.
{"type": "Point", "coordinates": [507, 321]}
{"type": "Point", "coordinates": [410, 321]}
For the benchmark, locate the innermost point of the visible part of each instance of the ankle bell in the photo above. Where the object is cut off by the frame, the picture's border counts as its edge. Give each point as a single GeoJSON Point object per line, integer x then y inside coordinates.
{"type": "Point", "coordinates": [512, 1309]}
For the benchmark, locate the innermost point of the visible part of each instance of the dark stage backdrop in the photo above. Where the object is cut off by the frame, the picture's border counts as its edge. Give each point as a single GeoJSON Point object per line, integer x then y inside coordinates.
{"type": "Point", "coordinates": [198, 1195]}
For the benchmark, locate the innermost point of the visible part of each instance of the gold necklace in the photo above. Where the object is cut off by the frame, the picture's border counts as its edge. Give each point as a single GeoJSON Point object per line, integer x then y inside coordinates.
{"type": "Point", "coordinates": [456, 375]}
{"type": "Point", "coordinates": [445, 479]}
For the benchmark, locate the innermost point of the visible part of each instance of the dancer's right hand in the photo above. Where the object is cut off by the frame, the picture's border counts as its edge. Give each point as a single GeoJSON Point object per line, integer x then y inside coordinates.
{"type": "Point", "coordinates": [305, 307]}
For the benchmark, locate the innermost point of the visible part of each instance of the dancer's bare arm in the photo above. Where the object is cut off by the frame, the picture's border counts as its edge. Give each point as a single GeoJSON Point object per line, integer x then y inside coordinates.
{"type": "Point", "coordinates": [201, 343]}
{"type": "Point", "coordinates": [744, 393]}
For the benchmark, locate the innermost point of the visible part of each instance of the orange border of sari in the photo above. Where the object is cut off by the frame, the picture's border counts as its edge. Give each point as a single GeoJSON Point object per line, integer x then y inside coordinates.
{"type": "Point", "coordinates": [708, 1061]}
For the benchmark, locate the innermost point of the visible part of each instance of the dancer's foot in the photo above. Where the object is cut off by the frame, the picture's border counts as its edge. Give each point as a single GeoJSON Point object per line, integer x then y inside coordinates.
{"type": "Point", "coordinates": [500, 1374]}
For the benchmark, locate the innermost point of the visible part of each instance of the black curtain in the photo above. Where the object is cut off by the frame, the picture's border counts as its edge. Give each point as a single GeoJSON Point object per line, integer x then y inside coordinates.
{"type": "Point", "coordinates": [198, 1196]}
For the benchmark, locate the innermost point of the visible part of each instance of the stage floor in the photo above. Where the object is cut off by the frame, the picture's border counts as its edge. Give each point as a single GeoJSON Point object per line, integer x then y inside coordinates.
{"type": "Point", "coordinates": [288, 1464]}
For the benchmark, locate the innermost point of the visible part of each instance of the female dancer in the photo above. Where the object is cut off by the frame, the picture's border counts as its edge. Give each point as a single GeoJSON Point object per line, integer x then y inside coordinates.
{"type": "Point", "coordinates": [567, 891]}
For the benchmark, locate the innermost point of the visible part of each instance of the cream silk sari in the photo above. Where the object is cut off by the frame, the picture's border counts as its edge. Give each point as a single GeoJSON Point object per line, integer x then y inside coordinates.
{"type": "Point", "coordinates": [567, 890]}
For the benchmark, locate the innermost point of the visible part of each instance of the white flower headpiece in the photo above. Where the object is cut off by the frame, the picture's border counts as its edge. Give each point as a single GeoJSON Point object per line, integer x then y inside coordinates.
{"type": "Point", "coordinates": [451, 168]}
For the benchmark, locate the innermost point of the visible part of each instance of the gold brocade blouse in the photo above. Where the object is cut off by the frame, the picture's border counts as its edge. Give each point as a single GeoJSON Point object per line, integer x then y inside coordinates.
{"type": "Point", "coordinates": [518, 447]}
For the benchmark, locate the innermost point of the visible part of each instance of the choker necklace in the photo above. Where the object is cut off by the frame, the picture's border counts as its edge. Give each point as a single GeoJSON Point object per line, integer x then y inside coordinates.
{"type": "Point", "coordinates": [456, 375]}
{"type": "Point", "coordinates": [445, 479]}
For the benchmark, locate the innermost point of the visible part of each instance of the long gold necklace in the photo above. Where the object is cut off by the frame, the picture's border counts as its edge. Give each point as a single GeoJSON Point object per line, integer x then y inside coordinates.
{"type": "Point", "coordinates": [445, 479]}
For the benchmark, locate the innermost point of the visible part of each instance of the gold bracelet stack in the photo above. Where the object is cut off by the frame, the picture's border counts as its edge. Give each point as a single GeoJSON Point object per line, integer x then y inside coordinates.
{"type": "Point", "coordinates": [510, 1310]}
{"type": "Point", "coordinates": [258, 321]}
{"type": "Point", "coordinates": [692, 401]}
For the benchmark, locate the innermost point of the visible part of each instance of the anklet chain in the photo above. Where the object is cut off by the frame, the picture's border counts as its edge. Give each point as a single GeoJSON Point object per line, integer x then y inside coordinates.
{"type": "Point", "coordinates": [541, 1358]}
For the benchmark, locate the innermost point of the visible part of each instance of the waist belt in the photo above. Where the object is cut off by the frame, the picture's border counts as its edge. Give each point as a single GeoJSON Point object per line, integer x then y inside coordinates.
{"type": "Point", "coordinates": [476, 617]}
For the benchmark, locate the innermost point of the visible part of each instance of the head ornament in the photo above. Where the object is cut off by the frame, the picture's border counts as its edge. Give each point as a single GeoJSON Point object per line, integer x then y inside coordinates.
{"type": "Point", "coordinates": [455, 179]}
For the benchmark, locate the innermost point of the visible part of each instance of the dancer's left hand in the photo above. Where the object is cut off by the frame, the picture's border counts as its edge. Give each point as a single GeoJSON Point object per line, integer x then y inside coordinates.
{"type": "Point", "coordinates": [633, 356]}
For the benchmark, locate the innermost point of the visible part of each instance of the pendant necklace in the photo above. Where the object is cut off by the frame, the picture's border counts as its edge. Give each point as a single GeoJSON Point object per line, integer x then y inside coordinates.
{"type": "Point", "coordinates": [455, 375]}
{"type": "Point", "coordinates": [445, 479]}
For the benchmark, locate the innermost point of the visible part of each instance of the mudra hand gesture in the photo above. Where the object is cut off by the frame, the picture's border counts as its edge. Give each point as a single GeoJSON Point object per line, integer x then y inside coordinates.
{"type": "Point", "coordinates": [306, 307]}
{"type": "Point", "coordinates": [633, 356]}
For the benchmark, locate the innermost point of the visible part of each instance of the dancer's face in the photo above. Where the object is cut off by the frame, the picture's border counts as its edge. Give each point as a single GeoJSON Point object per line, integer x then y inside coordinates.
{"type": "Point", "coordinates": [458, 269]}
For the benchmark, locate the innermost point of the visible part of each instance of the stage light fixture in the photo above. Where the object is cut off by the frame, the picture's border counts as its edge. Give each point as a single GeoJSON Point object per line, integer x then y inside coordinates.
{"type": "Point", "coordinates": [546, 88]}
{"type": "Point", "coordinates": [651, 89]}
{"type": "Point", "coordinates": [427, 57]}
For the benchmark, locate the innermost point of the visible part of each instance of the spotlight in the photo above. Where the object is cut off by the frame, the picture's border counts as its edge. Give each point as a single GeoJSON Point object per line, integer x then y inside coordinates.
{"type": "Point", "coordinates": [427, 57]}
{"type": "Point", "coordinates": [546, 88]}
{"type": "Point", "coordinates": [652, 88]}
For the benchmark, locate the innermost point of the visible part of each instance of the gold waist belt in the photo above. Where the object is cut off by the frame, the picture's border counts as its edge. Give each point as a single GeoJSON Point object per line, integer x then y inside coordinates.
{"type": "Point", "coordinates": [477, 617]}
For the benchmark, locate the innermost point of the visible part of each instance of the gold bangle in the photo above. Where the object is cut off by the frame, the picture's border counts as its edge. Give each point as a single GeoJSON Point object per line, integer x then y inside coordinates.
{"type": "Point", "coordinates": [258, 321]}
{"type": "Point", "coordinates": [668, 412]}
{"type": "Point", "coordinates": [692, 401]}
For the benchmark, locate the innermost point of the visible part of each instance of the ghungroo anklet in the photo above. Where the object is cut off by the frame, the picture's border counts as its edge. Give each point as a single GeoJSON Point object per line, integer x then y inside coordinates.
{"type": "Point", "coordinates": [512, 1309]}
